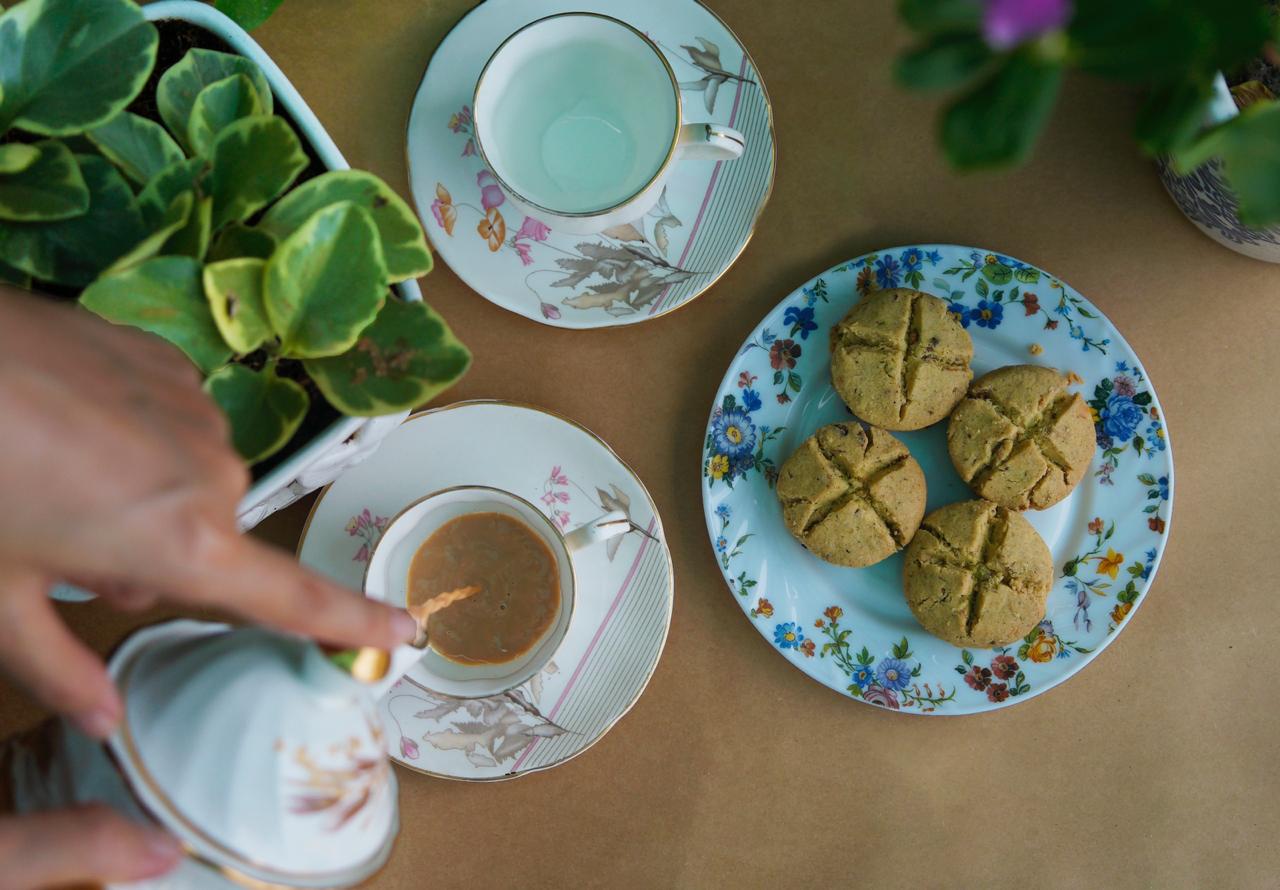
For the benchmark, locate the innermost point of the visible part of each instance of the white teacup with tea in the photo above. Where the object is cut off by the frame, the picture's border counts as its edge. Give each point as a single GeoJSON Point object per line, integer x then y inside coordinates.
{"type": "Point", "coordinates": [513, 570]}
{"type": "Point", "coordinates": [579, 118]}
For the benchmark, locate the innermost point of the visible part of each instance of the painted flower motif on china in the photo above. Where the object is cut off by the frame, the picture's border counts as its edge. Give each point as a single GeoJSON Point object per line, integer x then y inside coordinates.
{"type": "Point", "coordinates": [887, 272]}
{"type": "Point", "coordinates": [733, 433]}
{"type": "Point", "coordinates": [987, 314]}
{"type": "Point", "coordinates": [894, 673]}
{"type": "Point", "coordinates": [788, 636]}
{"type": "Point", "coordinates": [493, 229]}
{"type": "Point", "coordinates": [960, 313]}
{"type": "Point", "coordinates": [1043, 649]}
{"type": "Point", "coordinates": [783, 354]}
{"type": "Point", "coordinates": [866, 281]}
{"type": "Point", "coordinates": [801, 320]}
{"type": "Point", "coordinates": [446, 215]}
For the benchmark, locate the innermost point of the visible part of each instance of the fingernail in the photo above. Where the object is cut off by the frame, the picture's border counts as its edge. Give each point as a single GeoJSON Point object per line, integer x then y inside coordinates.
{"type": "Point", "coordinates": [99, 722]}
{"type": "Point", "coordinates": [403, 626]}
{"type": "Point", "coordinates": [163, 850]}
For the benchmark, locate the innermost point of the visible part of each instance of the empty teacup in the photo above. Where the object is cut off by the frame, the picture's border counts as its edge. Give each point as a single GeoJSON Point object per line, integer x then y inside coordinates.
{"type": "Point", "coordinates": [515, 559]}
{"type": "Point", "coordinates": [578, 117]}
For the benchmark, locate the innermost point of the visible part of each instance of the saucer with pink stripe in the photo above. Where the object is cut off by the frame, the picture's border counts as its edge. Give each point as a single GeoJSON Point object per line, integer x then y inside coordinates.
{"type": "Point", "coordinates": [625, 587]}
{"type": "Point", "coordinates": [632, 272]}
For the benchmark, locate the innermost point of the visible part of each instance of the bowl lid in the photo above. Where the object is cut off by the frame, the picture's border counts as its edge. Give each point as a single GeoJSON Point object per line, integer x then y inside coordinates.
{"type": "Point", "coordinates": [256, 752]}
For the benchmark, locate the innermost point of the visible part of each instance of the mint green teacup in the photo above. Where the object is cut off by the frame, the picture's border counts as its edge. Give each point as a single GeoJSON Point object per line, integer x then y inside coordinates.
{"type": "Point", "coordinates": [578, 117]}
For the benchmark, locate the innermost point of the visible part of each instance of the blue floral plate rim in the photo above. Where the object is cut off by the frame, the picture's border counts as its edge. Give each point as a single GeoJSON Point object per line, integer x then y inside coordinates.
{"type": "Point", "coordinates": [982, 287]}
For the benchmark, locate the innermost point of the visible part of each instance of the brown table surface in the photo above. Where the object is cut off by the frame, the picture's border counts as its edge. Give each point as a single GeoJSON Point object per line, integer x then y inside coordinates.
{"type": "Point", "coordinates": [1153, 767]}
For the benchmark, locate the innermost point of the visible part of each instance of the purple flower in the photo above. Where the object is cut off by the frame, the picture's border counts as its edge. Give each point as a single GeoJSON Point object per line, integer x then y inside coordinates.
{"type": "Point", "coordinates": [1125, 385]}
{"type": "Point", "coordinates": [878, 695]}
{"type": "Point", "coordinates": [1006, 23]}
{"type": "Point", "coordinates": [549, 310]}
{"type": "Point", "coordinates": [526, 255]}
{"type": "Point", "coordinates": [534, 230]}
{"type": "Point", "coordinates": [408, 748]}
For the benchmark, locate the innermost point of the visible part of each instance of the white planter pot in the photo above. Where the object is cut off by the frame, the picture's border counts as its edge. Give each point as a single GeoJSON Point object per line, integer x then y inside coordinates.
{"type": "Point", "coordinates": [1206, 199]}
{"type": "Point", "coordinates": [348, 440]}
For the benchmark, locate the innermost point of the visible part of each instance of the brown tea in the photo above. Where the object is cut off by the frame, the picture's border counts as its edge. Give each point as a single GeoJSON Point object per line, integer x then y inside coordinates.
{"type": "Point", "coordinates": [519, 584]}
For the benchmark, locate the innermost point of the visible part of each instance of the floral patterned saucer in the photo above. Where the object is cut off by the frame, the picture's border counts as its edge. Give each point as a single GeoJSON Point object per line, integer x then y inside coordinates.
{"type": "Point", "coordinates": [625, 588]}
{"type": "Point", "coordinates": [850, 629]}
{"type": "Point", "coordinates": [630, 273]}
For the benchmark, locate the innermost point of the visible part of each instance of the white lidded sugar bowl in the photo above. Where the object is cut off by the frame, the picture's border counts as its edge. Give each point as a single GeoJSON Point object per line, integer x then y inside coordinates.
{"type": "Point", "coordinates": [265, 759]}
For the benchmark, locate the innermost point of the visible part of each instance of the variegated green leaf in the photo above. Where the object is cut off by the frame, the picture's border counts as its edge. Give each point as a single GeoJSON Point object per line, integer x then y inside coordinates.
{"type": "Point", "coordinates": [74, 251]}
{"type": "Point", "coordinates": [234, 291]}
{"type": "Point", "coordinates": [184, 176]}
{"type": "Point", "coordinates": [50, 188]}
{"type": "Point", "coordinates": [183, 82]}
{"type": "Point", "coordinates": [68, 65]}
{"type": "Point", "coordinates": [163, 296]}
{"type": "Point", "coordinates": [265, 409]}
{"type": "Point", "coordinates": [219, 104]}
{"type": "Point", "coordinates": [248, 14]}
{"type": "Point", "coordinates": [237, 240]}
{"type": "Point", "coordinates": [16, 157]}
{"type": "Point", "coordinates": [404, 247]}
{"type": "Point", "coordinates": [405, 358]}
{"type": "Point", "coordinates": [254, 160]}
{"type": "Point", "coordinates": [175, 219]}
{"type": "Point", "coordinates": [139, 147]}
{"type": "Point", "coordinates": [10, 275]}
{"type": "Point", "coordinates": [325, 282]}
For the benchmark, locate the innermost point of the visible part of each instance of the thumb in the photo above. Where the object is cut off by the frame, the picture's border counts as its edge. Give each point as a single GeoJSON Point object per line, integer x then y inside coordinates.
{"type": "Point", "coordinates": [86, 844]}
{"type": "Point", "coordinates": [47, 660]}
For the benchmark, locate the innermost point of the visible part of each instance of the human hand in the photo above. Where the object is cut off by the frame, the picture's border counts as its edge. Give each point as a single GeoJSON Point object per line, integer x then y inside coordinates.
{"type": "Point", "coordinates": [116, 474]}
{"type": "Point", "coordinates": [87, 844]}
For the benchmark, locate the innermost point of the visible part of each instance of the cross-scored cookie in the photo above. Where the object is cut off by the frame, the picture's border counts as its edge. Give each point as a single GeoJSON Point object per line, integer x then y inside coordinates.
{"type": "Point", "coordinates": [977, 574]}
{"type": "Point", "coordinates": [899, 360]}
{"type": "Point", "coordinates": [1020, 439]}
{"type": "Point", "coordinates": [852, 496]}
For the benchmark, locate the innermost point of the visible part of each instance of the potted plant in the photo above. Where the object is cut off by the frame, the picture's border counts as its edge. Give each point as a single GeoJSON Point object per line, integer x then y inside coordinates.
{"type": "Point", "coordinates": [1220, 162]}
{"type": "Point", "coordinates": [177, 197]}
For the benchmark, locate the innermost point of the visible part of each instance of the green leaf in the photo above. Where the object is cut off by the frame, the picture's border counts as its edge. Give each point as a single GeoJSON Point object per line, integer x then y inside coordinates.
{"type": "Point", "coordinates": [139, 147]}
{"type": "Point", "coordinates": [49, 188]}
{"type": "Point", "coordinates": [997, 273]}
{"type": "Point", "coordinates": [187, 175]}
{"type": "Point", "coordinates": [326, 282]}
{"type": "Point", "coordinates": [404, 248]}
{"type": "Point", "coordinates": [1027, 275]}
{"type": "Point", "coordinates": [405, 358]}
{"type": "Point", "coordinates": [193, 239]}
{"type": "Point", "coordinates": [237, 240]}
{"type": "Point", "coordinates": [10, 275]}
{"type": "Point", "coordinates": [265, 409]}
{"type": "Point", "coordinates": [254, 160]}
{"type": "Point", "coordinates": [1249, 148]}
{"type": "Point", "coordinates": [981, 288]}
{"type": "Point", "coordinates": [933, 16]}
{"type": "Point", "coordinates": [946, 60]}
{"type": "Point", "coordinates": [234, 291]}
{"type": "Point", "coordinates": [1172, 114]}
{"type": "Point", "coordinates": [220, 104]}
{"type": "Point", "coordinates": [175, 219]}
{"type": "Point", "coordinates": [16, 157]}
{"type": "Point", "coordinates": [997, 123]}
{"type": "Point", "coordinates": [248, 14]}
{"type": "Point", "coordinates": [70, 65]}
{"type": "Point", "coordinates": [183, 82]}
{"type": "Point", "coordinates": [163, 296]}
{"type": "Point", "coordinates": [74, 251]}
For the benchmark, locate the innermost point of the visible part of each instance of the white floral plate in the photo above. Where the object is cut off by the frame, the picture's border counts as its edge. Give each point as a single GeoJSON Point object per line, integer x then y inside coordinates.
{"type": "Point", "coordinates": [635, 272]}
{"type": "Point", "coordinates": [850, 629]}
{"type": "Point", "coordinates": [625, 588]}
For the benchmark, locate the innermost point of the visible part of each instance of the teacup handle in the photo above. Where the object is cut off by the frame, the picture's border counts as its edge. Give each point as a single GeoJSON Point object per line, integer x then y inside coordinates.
{"type": "Point", "coordinates": [597, 531]}
{"type": "Point", "coordinates": [711, 142]}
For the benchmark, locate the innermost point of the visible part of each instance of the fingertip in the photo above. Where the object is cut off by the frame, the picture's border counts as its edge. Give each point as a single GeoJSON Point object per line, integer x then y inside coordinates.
{"type": "Point", "coordinates": [403, 627]}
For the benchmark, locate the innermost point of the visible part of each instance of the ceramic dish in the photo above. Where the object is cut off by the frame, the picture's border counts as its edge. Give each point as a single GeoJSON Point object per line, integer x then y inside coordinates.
{"type": "Point", "coordinates": [623, 604]}
{"type": "Point", "coordinates": [639, 270]}
{"type": "Point", "coordinates": [850, 629]}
